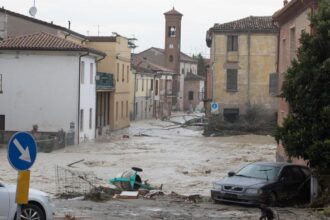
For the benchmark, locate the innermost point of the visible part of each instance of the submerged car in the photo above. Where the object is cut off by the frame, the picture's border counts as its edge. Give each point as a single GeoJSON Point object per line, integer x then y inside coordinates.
{"type": "Point", "coordinates": [264, 183]}
{"type": "Point", "coordinates": [39, 207]}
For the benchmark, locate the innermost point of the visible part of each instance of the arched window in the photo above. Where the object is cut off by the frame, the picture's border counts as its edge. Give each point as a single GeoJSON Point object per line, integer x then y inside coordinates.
{"type": "Point", "coordinates": [171, 58]}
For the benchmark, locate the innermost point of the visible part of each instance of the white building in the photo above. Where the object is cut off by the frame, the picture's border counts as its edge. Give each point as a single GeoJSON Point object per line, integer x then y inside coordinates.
{"type": "Point", "coordinates": [49, 82]}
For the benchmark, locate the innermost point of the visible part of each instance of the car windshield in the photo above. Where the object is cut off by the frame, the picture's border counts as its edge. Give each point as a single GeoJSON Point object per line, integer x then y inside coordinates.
{"type": "Point", "coordinates": [259, 171]}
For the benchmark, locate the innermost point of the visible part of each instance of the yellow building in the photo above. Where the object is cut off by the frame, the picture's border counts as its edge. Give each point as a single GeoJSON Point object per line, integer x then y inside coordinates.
{"type": "Point", "coordinates": [114, 110]}
{"type": "Point", "coordinates": [243, 65]}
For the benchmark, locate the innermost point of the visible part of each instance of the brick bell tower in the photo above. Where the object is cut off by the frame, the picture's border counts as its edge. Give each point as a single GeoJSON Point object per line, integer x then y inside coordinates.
{"type": "Point", "coordinates": [172, 49]}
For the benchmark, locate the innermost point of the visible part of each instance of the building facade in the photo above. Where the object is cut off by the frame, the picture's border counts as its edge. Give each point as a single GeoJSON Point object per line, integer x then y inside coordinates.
{"type": "Point", "coordinates": [243, 64]}
{"type": "Point", "coordinates": [153, 90]}
{"type": "Point", "coordinates": [118, 63]}
{"type": "Point", "coordinates": [194, 89]}
{"type": "Point", "coordinates": [293, 19]}
{"type": "Point", "coordinates": [31, 96]}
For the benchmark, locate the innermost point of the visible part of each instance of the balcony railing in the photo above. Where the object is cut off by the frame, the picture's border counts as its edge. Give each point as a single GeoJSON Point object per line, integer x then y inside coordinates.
{"type": "Point", "coordinates": [104, 81]}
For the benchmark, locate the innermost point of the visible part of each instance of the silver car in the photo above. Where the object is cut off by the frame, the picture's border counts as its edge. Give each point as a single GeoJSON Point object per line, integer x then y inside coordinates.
{"type": "Point", "coordinates": [264, 183]}
{"type": "Point", "coordinates": [40, 206]}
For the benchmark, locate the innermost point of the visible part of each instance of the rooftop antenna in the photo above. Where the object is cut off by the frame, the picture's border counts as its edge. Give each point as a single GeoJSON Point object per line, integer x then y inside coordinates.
{"type": "Point", "coordinates": [33, 9]}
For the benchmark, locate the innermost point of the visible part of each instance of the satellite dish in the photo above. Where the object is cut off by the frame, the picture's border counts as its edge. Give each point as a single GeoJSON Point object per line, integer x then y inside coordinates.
{"type": "Point", "coordinates": [33, 11]}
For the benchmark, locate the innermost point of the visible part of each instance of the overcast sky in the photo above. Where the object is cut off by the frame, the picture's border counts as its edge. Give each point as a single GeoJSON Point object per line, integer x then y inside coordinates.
{"type": "Point", "coordinates": [144, 19]}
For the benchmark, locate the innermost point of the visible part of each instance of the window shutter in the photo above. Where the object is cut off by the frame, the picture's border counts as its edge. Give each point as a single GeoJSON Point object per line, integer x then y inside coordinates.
{"type": "Point", "coordinates": [231, 79]}
{"type": "Point", "coordinates": [273, 79]}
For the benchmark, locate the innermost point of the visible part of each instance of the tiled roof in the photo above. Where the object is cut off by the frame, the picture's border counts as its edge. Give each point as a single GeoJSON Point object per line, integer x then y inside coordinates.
{"type": "Point", "coordinates": [173, 12]}
{"type": "Point", "coordinates": [145, 66]}
{"type": "Point", "coordinates": [193, 77]}
{"type": "Point", "coordinates": [183, 57]}
{"type": "Point", "coordinates": [102, 38]}
{"type": "Point", "coordinates": [43, 41]}
{"type": "Point", "coordinates": [249, 24]}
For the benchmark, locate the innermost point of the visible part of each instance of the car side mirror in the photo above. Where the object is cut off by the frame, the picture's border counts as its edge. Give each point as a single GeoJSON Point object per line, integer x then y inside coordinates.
{"type": "Point", "coordinates": [231, 173]}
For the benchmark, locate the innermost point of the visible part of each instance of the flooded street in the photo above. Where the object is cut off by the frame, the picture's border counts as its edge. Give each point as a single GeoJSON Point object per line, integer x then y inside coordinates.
{"type": "Point", "coordinates": [181, 159]}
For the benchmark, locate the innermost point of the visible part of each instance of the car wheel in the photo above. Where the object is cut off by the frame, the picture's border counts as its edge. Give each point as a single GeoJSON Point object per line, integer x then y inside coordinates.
{"type": "Point", "coordinates": [272, 200]}
{"type": "Point", "coordinates": [32, 212]}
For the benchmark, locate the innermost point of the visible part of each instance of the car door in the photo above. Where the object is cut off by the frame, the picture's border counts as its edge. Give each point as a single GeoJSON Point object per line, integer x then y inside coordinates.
{"type": "Point", "coordinates": [4, 201]}
{"type": "Point", "coordinates": [291, 179]}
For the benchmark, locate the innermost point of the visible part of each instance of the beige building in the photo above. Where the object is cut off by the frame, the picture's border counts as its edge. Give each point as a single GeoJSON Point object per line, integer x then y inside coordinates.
{"type": "Point", "coordinates": [117, 63]}
{"type": "Point", "coordinates": [153, 90]}
{"type": "Point", "coordinates": [243, 65]}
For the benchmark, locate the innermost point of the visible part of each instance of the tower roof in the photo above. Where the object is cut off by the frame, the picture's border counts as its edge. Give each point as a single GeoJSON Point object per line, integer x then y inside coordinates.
{"type": "Point", "coordinates": [173, 12]}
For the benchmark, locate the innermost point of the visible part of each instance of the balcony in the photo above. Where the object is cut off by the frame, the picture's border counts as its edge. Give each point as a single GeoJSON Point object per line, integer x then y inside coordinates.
{"type": "Point", "coordinates": [104, 82]}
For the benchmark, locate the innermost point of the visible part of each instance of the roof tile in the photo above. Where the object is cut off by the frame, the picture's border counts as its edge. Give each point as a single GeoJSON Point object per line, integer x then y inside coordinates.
{"type": "Point", "coordinates": [249, 24]}
{"type": "Point", "coordinates": [43, 41]}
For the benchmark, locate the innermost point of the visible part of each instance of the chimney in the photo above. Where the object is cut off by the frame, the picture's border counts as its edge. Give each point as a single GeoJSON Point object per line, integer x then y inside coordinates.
{"type": "Point", "coordinates": [69, 24]}
{"type": "Point", "coordinates": [285, 2]}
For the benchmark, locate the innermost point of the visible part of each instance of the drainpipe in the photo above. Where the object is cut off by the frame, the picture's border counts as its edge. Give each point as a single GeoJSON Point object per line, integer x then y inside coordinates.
{"type": "Point", "coordinates": [95, 112]}
{"type": "Point", "coordinates": [249, 68]}
{"type": "Point", "coordinates": [134, 97]}
{"type": "Point", "coordinates": [213, 67]}
{"type": "Point", "coordinates": [78, 124]}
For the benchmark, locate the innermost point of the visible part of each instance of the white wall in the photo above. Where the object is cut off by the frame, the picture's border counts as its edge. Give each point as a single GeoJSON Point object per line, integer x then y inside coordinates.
{"type": "Point", "coordinates": [187, 67]}
{"type": "Point", "coordinates": [39, 90]}
{"type": "Point", "coordinates": [88, 100]}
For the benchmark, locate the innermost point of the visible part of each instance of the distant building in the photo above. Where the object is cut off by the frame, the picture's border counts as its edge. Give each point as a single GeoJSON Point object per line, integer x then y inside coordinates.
{"type": "Point", "coordinates": [153, 90]}
{"type": "Point", "coordinates": [113, 104]}
{"type": "Point", "coordinates": [193, 92]}
{"type": "Point", "coordinates": [49, 82]}
{"type": "Point", "coordinates": [243, 65]}
{"type": "Point", "coordinates": [173, 59]}
{"type": "Point", "coordinates": [15, 24]}
{"type": "Point", "coordinates": [293, 19]}
{"type": "Point", "coordinates": [112, 91]}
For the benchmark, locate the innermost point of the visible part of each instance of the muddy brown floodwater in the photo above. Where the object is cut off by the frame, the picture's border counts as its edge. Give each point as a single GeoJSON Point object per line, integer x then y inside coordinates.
{"type": "Point", "coordinates": [181, 159]}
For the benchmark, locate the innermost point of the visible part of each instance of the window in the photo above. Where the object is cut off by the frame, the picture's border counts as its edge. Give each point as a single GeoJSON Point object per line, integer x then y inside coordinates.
{"type": "Point", "coordinates": [231, 114]}
{"type": "Point", "coordinates": [273, 83]}
{"type": "Point", "coordinates": [191, 95]}
{"type": "Point", "coordinates": [122, 72]}
{"type": "Point", "coordinates": [171, 46]}
{"type": "Point", "coordinates": [122, 109]}
{"type": "Point", "coordinates": [126, 109]}
{"type": "Point", "coordinates": [116, 111]}
{"type": "Point", "coordinates": [117, 72]}
{"type": "Point", "coordinates": [137, 85]}
{"type": "Point", "coordinates": [171, 58]}
{"type": "Point", "coordinates": [81, 119]}
{"type": "Point", "coordinates": [231, 80]}
{"type": "Point", "coordinates": [152, 85]}
{"type": "Point", "coordinates": [91, 74]}
{"type": "Point", "coordinates": [82, 72]}
{"type": "Point", "coordinates": [171, 31]}
{"type": "Point", "coordinates": [182, 71]}
{"type": "Point", "coordinates": [156, 89]}
{"type": "Point", "coordinates": [0, 83]}
{"type": "Point", "coordinates": [127, 73]}
{"type": "Point", "coordinates": [90, 118]}
{"type": "Point", "coordinates": [141, 107]}
{"type": "Point", "coordinates": [142, 84]}
{"type": "Point", "coordinates": [232, 43]}
{"type": "Point", "coordinates": [2, 122]}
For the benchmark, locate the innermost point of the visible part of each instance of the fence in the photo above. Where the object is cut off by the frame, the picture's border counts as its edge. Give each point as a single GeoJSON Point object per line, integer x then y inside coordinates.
{"type": "Point", "coordinates": [46, 141]}
{"type": "Point", "coordinates": [71, 182]}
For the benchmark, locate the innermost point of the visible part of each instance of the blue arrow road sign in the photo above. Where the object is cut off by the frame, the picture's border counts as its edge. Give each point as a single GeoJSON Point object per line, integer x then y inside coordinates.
{"type": "Point", "coordinates": [22, 151]}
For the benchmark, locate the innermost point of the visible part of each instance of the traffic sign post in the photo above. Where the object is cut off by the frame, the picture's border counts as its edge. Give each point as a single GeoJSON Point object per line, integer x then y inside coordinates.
{"type": "Point", "coordinates": [215, 108]}
{"type": "Point", "coordinates": [22, 152]}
